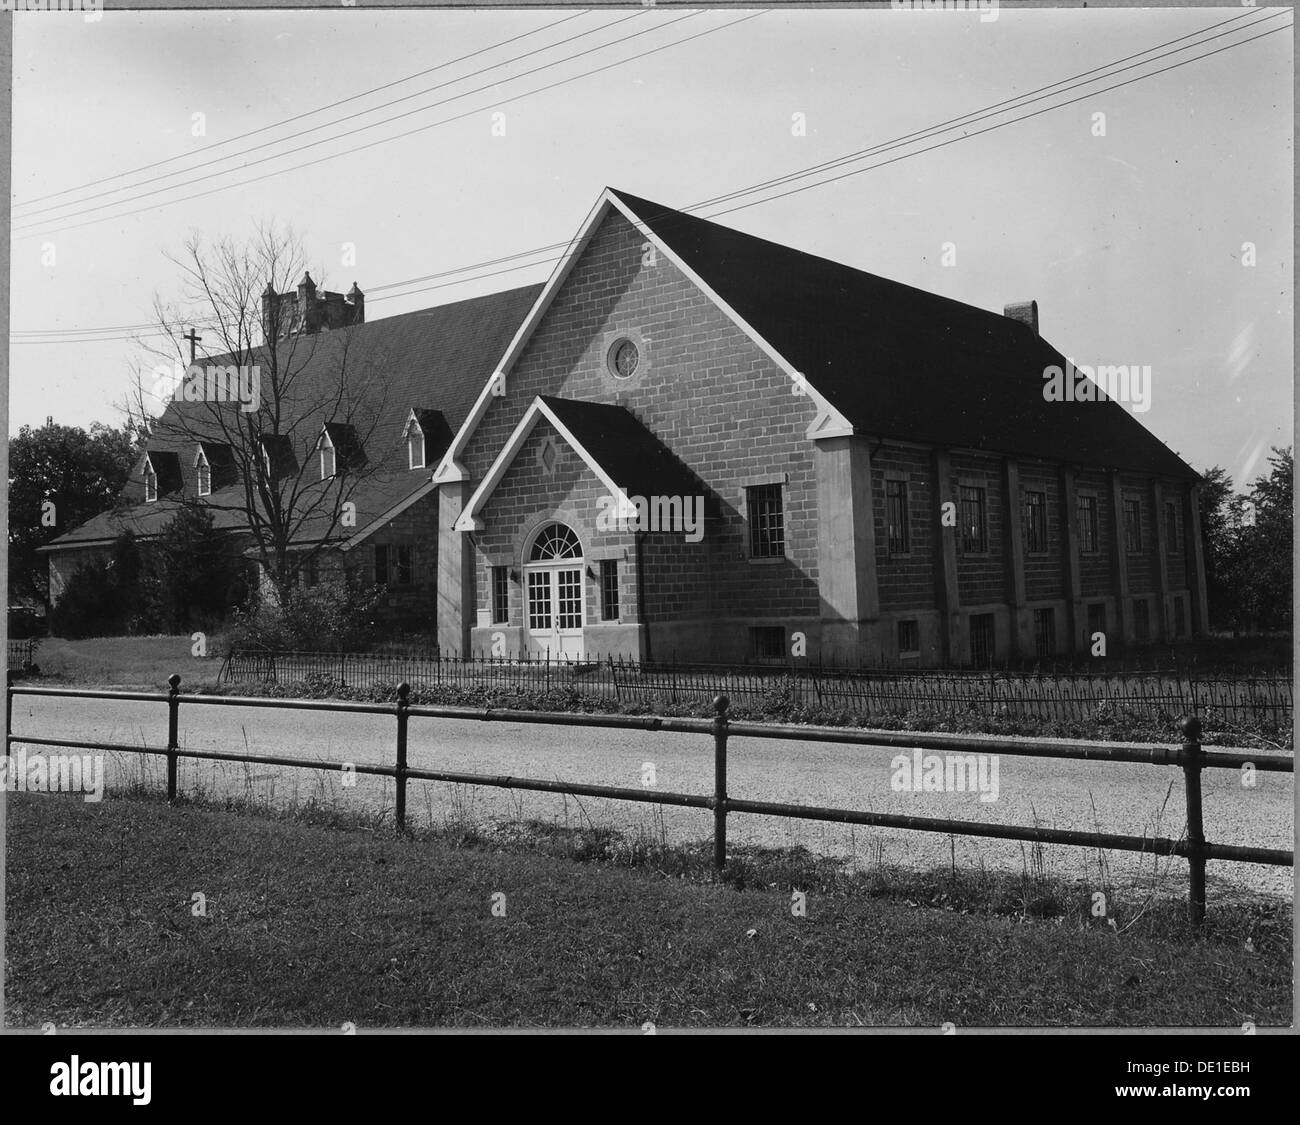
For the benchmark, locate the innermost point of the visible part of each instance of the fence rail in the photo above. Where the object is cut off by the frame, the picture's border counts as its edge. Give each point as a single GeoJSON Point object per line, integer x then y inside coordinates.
{"type": "Point", "coordinates": [1153, 696]}
{"type": "Point", "coordinates": [1190, 757]}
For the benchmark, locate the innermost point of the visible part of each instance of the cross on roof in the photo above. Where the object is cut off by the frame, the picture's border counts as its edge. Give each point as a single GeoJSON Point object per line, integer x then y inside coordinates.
{"type": "Point", "coordinates": [193, 337]}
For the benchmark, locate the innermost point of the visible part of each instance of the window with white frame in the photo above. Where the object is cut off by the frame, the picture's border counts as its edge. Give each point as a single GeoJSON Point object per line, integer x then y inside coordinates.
{"type": "Point", "coordinates": [150, 482]}
{"type": "Point", "coordinates": [203, 472]}
{"type": "Point", "coordinates": [326, 447]}
{"type": "Point", "coordinates": [414, 444]}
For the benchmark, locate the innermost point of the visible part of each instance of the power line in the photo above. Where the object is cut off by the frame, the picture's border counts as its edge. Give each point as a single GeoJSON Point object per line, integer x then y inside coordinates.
{"type": "Point", "coordinates": [943, 126]}
{"type": "Point", "coordinates": [53, 224]}
{"type": "Point", "coordinates": [306, 113]}
{"type": "Point", "coordinates": [812, 170]}
{"type": "Point", "coordinates": [208, 175]}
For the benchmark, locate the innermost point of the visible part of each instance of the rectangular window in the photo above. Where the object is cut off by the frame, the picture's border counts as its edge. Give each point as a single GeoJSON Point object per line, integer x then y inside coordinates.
{"type": "Point", "coordinates": [1096, 619]}
{"type": "Point", "coordinates": [767, 642]}
{"type": "Point", "coordinates": [326, 458]}
{"type": "Point", "coordinates": [1142, 621]}
{"type": "Point", "coordinates": [766, 521]}
{"type": "Point", "coordinates": [981, 639]}
{"type": "Point", "coordinates": [204, 473]}
{"type": "Point", "coordinates": [415, 448]}
{"type": "Point", "coordinates": [500, 595]}
{"type": "Point", "coordinates": [403, 565]}
{"type": "Point", "coordinates": [1180, 618]}
{"type": "Point", "coordinates": [1036, 521]}
{"type": "Point", "coordinates": [974, 529]}
{"type": "Point", "coordinates": [609, 590]}
{"type": "Point", "coordinates": [1088, 523]}
{"type": "Point", "coordinates": [539, 599]}
{"type": "Point", "coordinates": [150, 487]}
{"type": "Point", "coordinates": [569, 592]}
{"type": "Point", "coordinates": [1171, 526]}
{"type": "Point", "coordinates": [909, 638]}
{"type": "Point", "coordinates": [900, 536]}
{"type": "Point", "coordinates": [1133, 526]}
{"type": "Point", "coordinates": [1045, 633]}
{"type": "Point", "coordinates": [393, 565]}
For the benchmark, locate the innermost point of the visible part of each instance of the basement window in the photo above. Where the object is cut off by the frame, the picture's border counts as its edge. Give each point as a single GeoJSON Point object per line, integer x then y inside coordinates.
{"type": "Point", "coordinates": [767, 643]}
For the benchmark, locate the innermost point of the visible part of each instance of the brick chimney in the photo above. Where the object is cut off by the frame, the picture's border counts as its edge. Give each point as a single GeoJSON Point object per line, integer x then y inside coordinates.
{"type": "Point", "coordinates": [308, 310]}
{"type": "Point", "coordinates": [357, 300]}
{"type": "Point", "coordinates": [1024, 311]}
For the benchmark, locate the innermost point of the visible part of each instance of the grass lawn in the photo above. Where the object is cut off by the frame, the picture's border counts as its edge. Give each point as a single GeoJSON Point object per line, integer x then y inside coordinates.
{"type": "Point", "coordinates": [137, 662]}
{"type": "Point", "coordinates": [308, 924]}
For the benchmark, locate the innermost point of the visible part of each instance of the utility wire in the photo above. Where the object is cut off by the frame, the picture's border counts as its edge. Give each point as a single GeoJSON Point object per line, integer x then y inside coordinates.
{"type": "Point", "coordinates": [300, 116]}
{"type": "Point", "coordinates": [766, 184]}
{"type": "Point", "coordinates": [53, 223]}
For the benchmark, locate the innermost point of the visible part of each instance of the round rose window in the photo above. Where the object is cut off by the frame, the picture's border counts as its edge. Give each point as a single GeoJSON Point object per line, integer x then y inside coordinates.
{"type": "Point", "coordinates": [623, 359]}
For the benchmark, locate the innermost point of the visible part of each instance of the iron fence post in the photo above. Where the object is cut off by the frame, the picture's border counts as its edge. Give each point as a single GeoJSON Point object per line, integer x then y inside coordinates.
{"type": "Point", "coordinates": [720, 705]}
{"type": "Point", "coordinates": [403, 702]}
{"type": "Point", "coordinates": [1191, 758]}
{"type": "Point", "coordinates": [173, 725]}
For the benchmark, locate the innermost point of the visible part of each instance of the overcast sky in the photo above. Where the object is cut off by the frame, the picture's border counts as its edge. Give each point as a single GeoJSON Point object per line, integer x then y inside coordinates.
{"type": "Point", "coordinates": [1130, 242]}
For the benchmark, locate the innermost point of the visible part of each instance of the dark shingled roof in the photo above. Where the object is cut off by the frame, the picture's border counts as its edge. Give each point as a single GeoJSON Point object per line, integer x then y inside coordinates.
{"type": "Point", "coordinates": [636, 460]}
{"type": "Point", "coordinates": [436, 359]}
{"type": "Point", "coordinates": [900, 362]}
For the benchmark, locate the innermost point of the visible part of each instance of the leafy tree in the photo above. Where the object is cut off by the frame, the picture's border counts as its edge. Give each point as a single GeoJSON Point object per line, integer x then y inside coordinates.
{"type": "Point", "coordinates": [106, 597]}
{"type": "Point", "coordinates": [198, 576]}
{"type": "Point", "coordinates": [77, 473]}
{"type": "Point", "coordinates": [1218, 506]}
{"type": "Point", "coordinates": [1264, 570]}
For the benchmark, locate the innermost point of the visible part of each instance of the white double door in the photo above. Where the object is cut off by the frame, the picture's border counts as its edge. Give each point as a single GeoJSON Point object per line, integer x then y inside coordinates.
{"type": "Point", "coordinates": [555, 608]}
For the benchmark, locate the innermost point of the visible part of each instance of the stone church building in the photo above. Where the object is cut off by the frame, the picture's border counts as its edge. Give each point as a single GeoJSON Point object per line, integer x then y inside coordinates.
{"type": "Point", "coordinates": [692, 443]}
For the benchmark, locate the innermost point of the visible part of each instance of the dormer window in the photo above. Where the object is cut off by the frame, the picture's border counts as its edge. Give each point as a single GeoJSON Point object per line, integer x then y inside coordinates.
{"type": "Point", "coordinates": [326, 448]}
{"type": "Point", "coordinates": [150, 481]}
{"type": "Point", "coordinates": [203, 473]}
{"type": "Point", "coordinates": [426, 435]}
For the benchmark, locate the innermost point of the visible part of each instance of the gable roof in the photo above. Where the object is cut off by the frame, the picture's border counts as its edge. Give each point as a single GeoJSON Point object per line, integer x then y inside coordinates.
{"type": "Point", "coordinates": [434, 359]}
{"type": "Point", "coordinates": [626, 457]}
{"type": "Point", "coordinates": [901, 362]}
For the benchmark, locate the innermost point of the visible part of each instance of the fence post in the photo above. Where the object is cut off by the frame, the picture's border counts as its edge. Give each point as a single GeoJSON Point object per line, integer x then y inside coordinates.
{"type": "Point", "coordinates": [720, 705]}
{"type": "Point", "coordinates": [403, 702]}
{"type": "Point", "coordinates": [1191, 758]}
{"type": "Point", "coordinates": [173, 723]}
{"type": "Point", "coordinates": [9, 705]}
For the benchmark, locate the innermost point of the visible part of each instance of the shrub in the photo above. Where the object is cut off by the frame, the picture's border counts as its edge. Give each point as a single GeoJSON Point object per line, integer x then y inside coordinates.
{"type": "Point", "coordinates": [336, 616]}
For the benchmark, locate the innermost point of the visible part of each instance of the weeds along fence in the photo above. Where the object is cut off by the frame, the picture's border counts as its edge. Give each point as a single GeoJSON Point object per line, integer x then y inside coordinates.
{"type": "Point", "coordinates": [1190, 757]}
{"type": "Point", "coordinates": [1221, 700]}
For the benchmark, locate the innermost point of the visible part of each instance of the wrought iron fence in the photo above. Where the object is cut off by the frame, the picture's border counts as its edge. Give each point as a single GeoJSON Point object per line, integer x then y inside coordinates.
{"type": "Point", "coordinates": [22, 654]}
{"type": "Point", "coordinates": [1152, 696]}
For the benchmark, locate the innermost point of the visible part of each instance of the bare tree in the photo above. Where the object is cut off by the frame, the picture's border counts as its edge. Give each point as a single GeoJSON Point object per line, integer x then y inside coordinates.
{"type": "Point", "coordinates": [258, 396]}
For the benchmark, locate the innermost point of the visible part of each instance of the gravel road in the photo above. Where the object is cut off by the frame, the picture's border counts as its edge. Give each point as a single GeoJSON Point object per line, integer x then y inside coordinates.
{"type": "Point", "coordinates": [1130, 799]}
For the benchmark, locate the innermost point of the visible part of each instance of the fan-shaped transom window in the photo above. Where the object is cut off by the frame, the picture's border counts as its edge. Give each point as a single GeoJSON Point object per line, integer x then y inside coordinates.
{"type": "Point", "coordinates": [555, 541]}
